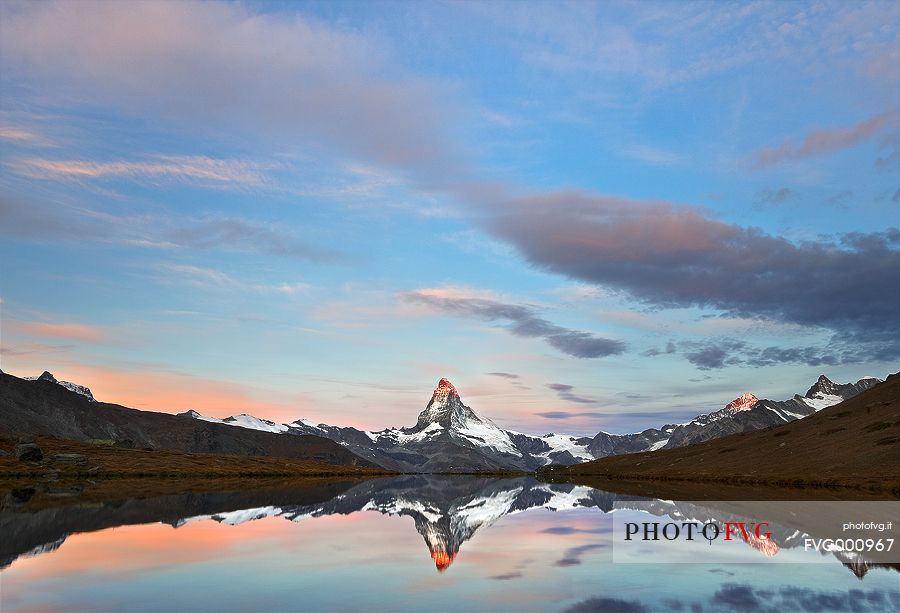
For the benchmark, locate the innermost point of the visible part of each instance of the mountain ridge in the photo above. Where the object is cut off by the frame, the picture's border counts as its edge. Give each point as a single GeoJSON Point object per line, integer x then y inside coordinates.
{"type": "Point", "coordinates": [447, 426]}
{"type": "Point", "coordinates": [449, 436]}
{"type": "Point", "coordinates": [855, 442]}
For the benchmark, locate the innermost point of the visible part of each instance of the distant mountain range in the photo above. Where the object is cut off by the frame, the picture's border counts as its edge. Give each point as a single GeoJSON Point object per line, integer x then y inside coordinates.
{"type": "Point", "coordinates": [853, 443]}
{"type": "Point", "coordinates": [450, 437]}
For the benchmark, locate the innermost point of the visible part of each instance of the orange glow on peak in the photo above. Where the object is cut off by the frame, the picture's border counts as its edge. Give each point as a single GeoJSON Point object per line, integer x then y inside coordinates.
{"type": "Point", "coordinates": [442, 560]}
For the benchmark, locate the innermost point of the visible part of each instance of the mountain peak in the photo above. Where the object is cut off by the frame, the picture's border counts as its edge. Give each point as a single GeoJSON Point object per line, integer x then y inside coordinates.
{"type": "Point", "coordinates": [823, 387]}
{"type": "Point", "coordinates": [46, 376]}
{"type": "Point", "coordinates": [742, 403]}
{"type": "Point", "coordinates": [445, 401]}
{"type": "Point", "coordinates": [444, 390]}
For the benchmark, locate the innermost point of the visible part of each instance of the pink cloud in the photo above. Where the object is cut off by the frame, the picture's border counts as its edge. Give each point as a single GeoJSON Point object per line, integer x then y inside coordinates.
{"type": "Point", "coordinates": [69, 331]}
{"type": "Point", "coordinates": [198, 168]}
{"type": "Point", "coordinates": [823, 141]}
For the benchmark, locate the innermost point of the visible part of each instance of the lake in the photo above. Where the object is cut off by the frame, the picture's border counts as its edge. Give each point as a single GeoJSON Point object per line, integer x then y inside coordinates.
{"type": "Point", "coordinates": [417, 543]}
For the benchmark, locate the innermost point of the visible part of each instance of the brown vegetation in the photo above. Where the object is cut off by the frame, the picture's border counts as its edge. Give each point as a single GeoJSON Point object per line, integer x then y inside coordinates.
{"type": "Point", "coordinates": [107, 461]}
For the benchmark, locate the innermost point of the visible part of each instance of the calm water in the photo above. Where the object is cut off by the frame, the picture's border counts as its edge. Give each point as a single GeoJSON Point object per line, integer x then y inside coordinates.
{"type": "Point", "coordinates": [405, 543]}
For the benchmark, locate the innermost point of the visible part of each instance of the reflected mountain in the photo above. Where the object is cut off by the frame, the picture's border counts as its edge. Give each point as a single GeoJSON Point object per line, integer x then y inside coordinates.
{"type": "Point", "coordinates": [446, 511]}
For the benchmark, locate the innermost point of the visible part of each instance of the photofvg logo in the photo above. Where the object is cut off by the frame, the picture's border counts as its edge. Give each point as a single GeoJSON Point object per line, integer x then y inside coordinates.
{"type": "Point", "coordinates": [661, 531]}
{"type": "Point", "coordinates": [755, 534]}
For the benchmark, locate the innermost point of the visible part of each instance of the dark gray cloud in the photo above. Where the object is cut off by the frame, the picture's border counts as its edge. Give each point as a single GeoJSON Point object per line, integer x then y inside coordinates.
{"type": "Point", "coordinates": [841, 349]}
{"type": "Point", "coordinates": [605, 604]}
{"type": "Point", "coordinates": [840, 200]}
{"type": "Point", "coordinates": [744, 597]}
{"type": "Point", "coordinates": [567, 393]}
{"type": "Point", "coordinates": [811, 356]}
{"type": "Point", "coordinates": [891, 159]}
{"type": "Point", "coordinates": [504, 375]}
{"type": "Point", "coordinates": [522, 321]}
{"type": "Point", "coordinates": [738, 597]}
{"type": "Point", "coordinates": [775, 196]}
{"type": "Point", "coordinates": [654, 351]}
{"type": "Point", "coordinates": [676, 256]}
{"type": "Point", "coordinates": [660, 416]}
{"type": "Point", "coordinates": [567, 530]}
{"type": "Point", "coordinates": [572, 556]}
{"type": "Point", "coordinates": [570, 415]}
{"type": "Point", "coordinates": [712, 355]}
{"type": "Point", "coordinates": [506, 576]}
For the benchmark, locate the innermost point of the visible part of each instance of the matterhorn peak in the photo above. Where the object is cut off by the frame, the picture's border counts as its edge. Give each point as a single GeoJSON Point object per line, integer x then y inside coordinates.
{"type": "Point", "coordinates": [444, 390]}
{"type": "Point", "coordinates": [445, 403]}
{"type": "Point", "coordinates": [743, 402]}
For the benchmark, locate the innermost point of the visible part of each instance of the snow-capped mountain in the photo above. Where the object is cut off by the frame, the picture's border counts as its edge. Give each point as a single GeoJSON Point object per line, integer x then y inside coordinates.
{"type": "Point", "coordinates": [72, 387]}
{"type": "Point", "coordinates": [749, 413]}
{"type": "Point", "coordinates": [243, 421]}
{"type": "Point", "coordinates": [450, 437]}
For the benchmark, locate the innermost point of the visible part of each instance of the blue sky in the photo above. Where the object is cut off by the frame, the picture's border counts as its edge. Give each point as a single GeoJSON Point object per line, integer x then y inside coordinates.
{"type": "Point", "coordinates": [317, 210]}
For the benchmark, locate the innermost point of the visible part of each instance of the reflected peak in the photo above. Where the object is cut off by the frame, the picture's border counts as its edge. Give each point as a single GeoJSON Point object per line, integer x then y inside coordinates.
{"type": "Point", "coordinates": [442, 560]}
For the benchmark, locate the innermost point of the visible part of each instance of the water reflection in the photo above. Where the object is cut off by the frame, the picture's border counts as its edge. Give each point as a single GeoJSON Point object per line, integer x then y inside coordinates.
{"type": "Point", "coordinates": [447, 511]}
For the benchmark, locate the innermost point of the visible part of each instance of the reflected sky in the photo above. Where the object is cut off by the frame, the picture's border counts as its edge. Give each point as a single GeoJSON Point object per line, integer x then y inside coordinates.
{"type": "Point", "coordinates": [533, 554]}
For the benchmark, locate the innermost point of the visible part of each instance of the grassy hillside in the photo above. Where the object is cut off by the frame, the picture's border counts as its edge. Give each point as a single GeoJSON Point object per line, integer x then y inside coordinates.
{"type": "Point", "coordinates": [855, 443]}
{"type": "Point", "coordinates": [105, 461]}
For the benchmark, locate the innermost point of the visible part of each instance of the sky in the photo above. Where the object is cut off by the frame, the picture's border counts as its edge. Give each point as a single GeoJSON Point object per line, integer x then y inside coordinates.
{"type": "Point", "coordinates": [587, 216]}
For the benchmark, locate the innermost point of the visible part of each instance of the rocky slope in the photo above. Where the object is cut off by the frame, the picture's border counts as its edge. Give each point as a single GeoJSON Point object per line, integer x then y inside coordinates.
{"type": "Point", "coordinates": [72, 387]}
{"type": "Point", "coordinates": [44, 407]}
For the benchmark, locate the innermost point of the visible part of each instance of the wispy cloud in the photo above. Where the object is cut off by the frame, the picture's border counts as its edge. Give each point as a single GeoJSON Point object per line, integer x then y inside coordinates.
{"type": "Point", "coordinates": [775, 196]}
{"type": "Point", "coordinates": [567, 393]}
{"type": "Point", "coordinates": [172, 167]}
{"type": "Point", "coordinates": [69, 331]}
{"type": "Point", "coordinates": [284, 79]}
{"type": "Point", "coordinates": [651, 418]}
{"type": "Point", "coordinates": [23, 135]}
{"type": "Point", "coordinates": [38, 219]}
{"type": "Point", "coordinates": [207, 278]}
{"type": "Point", "coordinates": [826, 140]}
{"type": "Point", "coordinates": [522, 321]}
{"type": "Point", "coordinates": [237, 233]}
{"type": "Point", "coordinates": [651, 155]}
